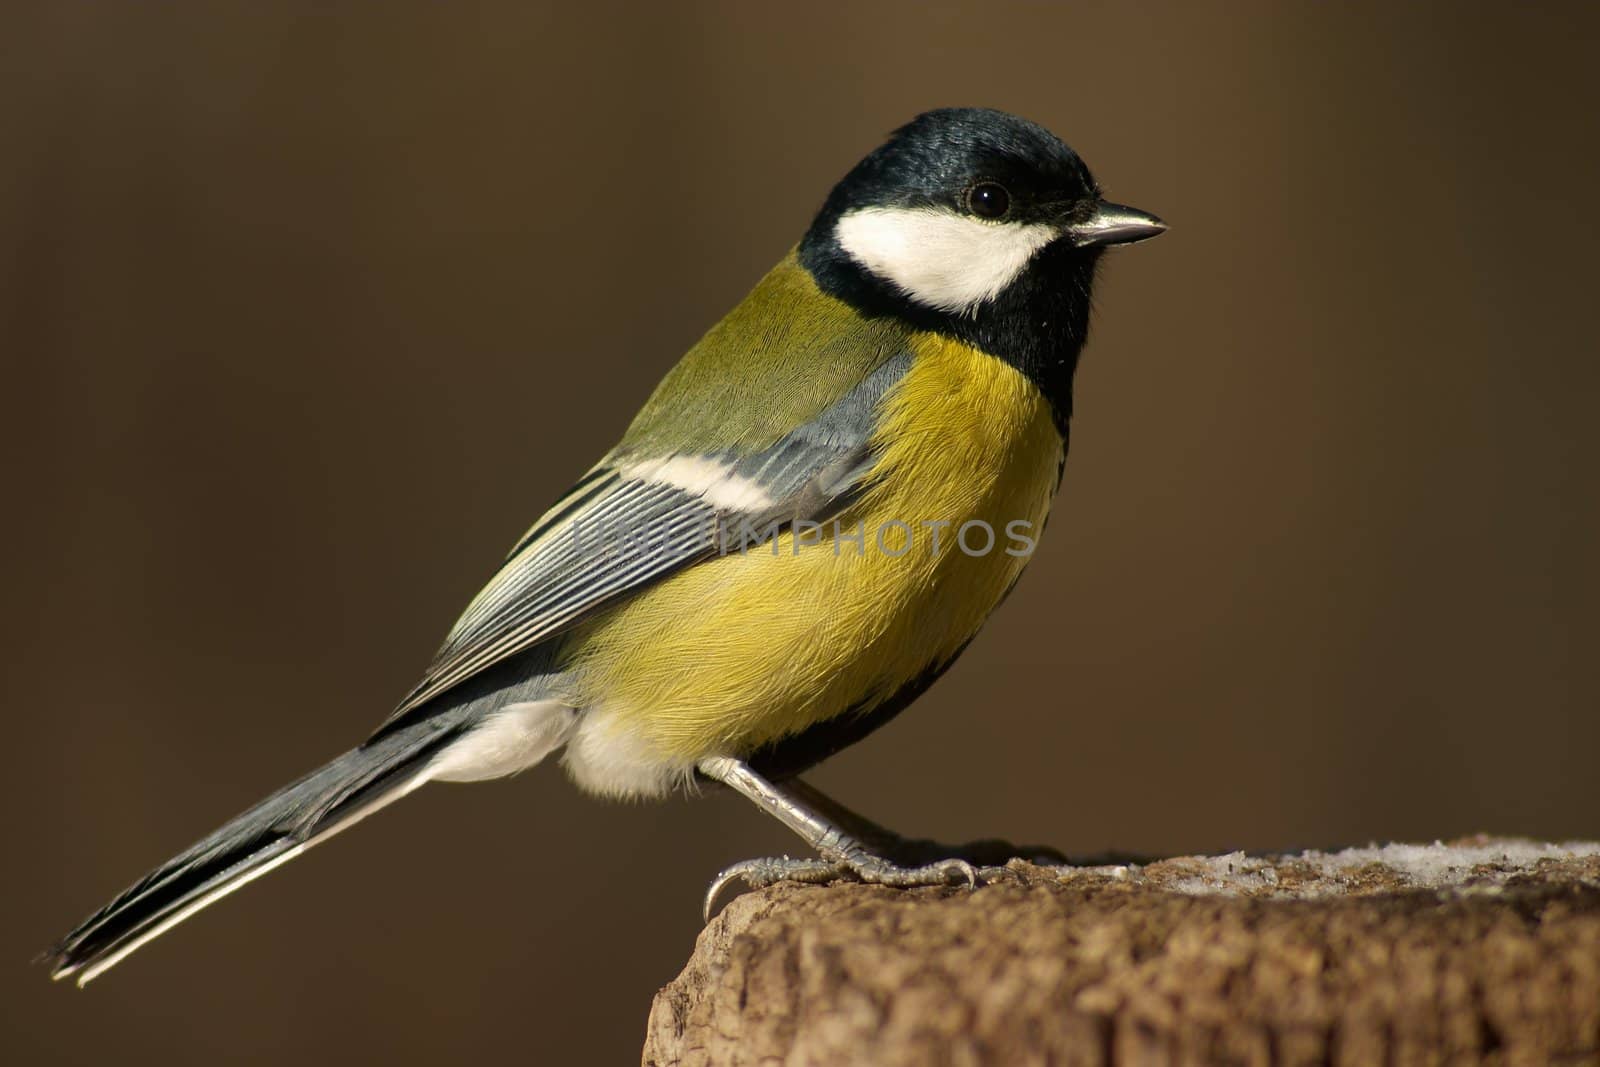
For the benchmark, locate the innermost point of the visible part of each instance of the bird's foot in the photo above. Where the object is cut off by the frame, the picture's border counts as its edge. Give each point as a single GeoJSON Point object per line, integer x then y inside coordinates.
{"type": "Point", "coordinates": [865, 867]}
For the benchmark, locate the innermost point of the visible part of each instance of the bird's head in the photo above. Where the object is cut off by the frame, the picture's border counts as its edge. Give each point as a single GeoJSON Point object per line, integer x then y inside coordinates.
{"type": "Point", "coordinates": [977, 223]}
{"type": "Point", "coordinates": [956, 206]}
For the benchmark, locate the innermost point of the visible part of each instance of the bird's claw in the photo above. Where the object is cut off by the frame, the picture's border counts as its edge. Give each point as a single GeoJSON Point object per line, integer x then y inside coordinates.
{"type": "Point", "coordinates": [760, 873]}
{"type": "Point", "coordinates": [874, 870]}
{"type": "Point", "coordinates": [878, 871]}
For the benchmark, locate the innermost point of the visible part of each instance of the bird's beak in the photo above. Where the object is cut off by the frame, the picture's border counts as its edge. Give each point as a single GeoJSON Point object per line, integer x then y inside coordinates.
{"type": "Point", "coordinates": [1114, 224]}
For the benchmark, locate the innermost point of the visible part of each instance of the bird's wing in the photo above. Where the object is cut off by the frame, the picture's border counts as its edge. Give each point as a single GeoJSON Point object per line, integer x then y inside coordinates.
{"type": "Point", "coordinates": [635, 519]}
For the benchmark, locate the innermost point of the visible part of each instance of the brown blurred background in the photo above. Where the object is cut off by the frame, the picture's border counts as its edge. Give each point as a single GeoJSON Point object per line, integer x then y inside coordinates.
{"type": "Point", "coordinates": [306, 314]}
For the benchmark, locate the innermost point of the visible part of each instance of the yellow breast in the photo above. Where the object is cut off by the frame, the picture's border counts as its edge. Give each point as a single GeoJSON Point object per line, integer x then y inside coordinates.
{"type": "Point", "coordinates": [748, 648]}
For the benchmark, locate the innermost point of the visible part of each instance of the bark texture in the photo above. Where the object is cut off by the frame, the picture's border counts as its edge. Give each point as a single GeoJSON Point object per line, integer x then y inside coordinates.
{"type": "Point", "coordinates": [1479, 951]}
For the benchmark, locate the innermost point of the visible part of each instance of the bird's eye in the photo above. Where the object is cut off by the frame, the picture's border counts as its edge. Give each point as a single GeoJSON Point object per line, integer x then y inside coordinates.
{"type": "Point", "coordinates": [987, 200]}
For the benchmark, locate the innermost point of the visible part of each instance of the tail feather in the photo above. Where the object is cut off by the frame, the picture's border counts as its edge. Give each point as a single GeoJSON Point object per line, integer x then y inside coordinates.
{"type": "Point", "coordinates": [273, 832]}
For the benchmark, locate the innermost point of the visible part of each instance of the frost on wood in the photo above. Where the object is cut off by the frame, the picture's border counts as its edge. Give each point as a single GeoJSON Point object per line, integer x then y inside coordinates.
{"type": "Point", "coordinates": [1478, 951]}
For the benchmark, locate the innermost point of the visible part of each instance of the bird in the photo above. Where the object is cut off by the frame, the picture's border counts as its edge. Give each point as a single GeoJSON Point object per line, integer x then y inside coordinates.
{"type": "Point", "coordinates": [804, 526]}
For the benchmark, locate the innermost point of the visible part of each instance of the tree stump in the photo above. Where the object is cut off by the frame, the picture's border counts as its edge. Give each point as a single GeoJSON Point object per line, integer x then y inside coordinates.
{"type": "Point", "coordinates": [1476, 951]}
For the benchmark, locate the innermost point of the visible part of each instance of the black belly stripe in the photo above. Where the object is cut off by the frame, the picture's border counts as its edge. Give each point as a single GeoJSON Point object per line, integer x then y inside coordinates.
{"type": "Point", "coordinates": [789, 756]}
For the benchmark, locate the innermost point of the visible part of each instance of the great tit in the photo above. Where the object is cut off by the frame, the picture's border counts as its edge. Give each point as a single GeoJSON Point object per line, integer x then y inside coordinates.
{"type": "Point", "coordinates": [806, 524]}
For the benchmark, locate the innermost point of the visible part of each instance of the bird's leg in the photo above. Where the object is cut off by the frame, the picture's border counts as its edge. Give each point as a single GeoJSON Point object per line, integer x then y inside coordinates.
{"type": "Point", "coordinates": [986, 854]}
{"type": "Point", "coordinates": [830, 829]}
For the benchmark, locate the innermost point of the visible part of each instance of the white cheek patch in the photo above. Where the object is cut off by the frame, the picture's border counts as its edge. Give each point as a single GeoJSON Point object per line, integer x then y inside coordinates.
{"type": "Point", "coordinates": [947, 261]}
{"type": "Point", "coordinates": [712, 480]}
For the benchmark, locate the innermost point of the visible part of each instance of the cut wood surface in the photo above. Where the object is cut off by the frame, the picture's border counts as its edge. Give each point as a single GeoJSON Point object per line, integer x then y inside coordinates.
{"type": "Point", "coordinates": [1476, 951]}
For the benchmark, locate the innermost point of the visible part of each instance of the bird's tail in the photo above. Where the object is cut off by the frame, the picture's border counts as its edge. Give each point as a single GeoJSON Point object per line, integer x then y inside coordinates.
{"type": "Point", "coordinates": [273, 832]}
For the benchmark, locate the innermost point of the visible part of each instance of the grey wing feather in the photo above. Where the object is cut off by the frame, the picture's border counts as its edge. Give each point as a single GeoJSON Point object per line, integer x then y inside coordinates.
{"type": "Point", "coordinates": [613, 534]}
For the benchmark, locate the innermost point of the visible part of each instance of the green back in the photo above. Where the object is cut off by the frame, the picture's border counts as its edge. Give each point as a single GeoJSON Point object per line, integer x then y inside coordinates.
{"type": "Point", "coordinates": [775, 362]}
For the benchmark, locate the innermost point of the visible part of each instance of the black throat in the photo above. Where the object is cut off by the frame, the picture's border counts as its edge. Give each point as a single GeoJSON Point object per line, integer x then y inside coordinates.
{"type": "Point", "coordinates": [1038, 324]}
